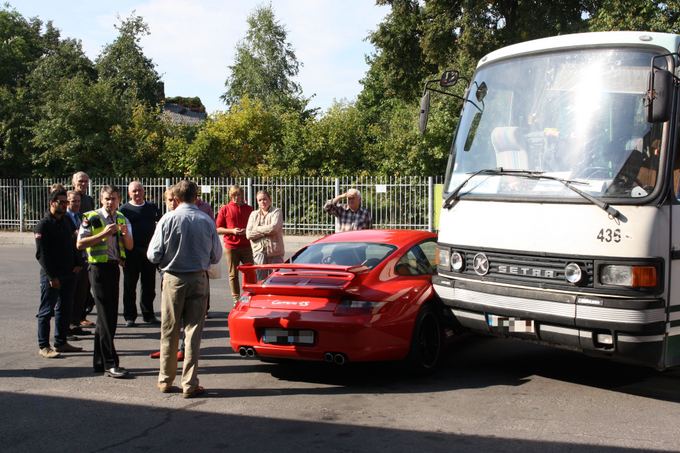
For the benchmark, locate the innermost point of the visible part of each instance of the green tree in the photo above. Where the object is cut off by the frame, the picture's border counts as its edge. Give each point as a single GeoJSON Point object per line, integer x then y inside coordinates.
{"type": "Point", "coordinates": [124, 65]}
{"type": "Point", "coordinates": [649, 15]}
{"type": "Point", "coordinates": [23, 45]}
{"type": "Point", "coordinates": [265, 65]}
{"type": "Point", "coordinates": [74, 130]}
{"type": "Point", "coordinates": [233, 143]}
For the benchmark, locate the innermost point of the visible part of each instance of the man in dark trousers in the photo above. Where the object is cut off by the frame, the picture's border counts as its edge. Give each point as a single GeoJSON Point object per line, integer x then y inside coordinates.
{"type": "Point", "coordinates": [81, 184]}
{"type": "Point", "coordinates": [106, 236]}
{"type": "Point", "coordinates": [59, 263]}
{"type": "Point", "coordinates": [143, 216]}
{"type": "Point", "coordinates": [81, 289]}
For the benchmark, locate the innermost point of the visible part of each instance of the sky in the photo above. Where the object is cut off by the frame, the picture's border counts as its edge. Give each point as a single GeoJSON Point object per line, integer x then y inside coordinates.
{"type": "Point", "coordinates": [193, 42]}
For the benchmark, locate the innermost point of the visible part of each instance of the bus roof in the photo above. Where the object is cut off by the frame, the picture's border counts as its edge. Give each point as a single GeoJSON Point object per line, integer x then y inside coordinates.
{"type": "Point", "coordinates": [664, 41]}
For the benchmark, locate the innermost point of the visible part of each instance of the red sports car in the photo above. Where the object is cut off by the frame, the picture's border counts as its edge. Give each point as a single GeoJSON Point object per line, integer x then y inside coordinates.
{"type": "Point", "coordinates": [354, 296]}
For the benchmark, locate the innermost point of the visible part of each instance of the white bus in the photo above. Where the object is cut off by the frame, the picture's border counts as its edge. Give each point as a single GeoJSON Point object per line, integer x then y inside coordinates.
{"type": "Point", "coordinates": [561, 218]}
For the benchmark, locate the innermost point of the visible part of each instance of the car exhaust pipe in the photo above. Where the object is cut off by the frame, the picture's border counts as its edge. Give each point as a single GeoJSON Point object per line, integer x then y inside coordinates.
{"type": "Point", "coordinates": [328, 357]}
{"type": "Point", "coordinates": [339, 359]}
{"type": "Point", "coordinates": [246, 351]}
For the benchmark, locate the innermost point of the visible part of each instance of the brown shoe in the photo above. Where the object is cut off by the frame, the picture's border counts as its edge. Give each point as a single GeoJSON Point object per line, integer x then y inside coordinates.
{"type": "Point", "coordinates": [198, 391]}
{"type": "Point", "coordinates": [164, 387]}
{"type": "Point", "coordinates": [48, 353]}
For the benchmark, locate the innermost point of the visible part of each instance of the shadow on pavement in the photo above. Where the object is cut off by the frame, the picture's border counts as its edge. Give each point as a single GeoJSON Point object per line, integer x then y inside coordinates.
{"type": "Point", "coordinates": [132, 427]}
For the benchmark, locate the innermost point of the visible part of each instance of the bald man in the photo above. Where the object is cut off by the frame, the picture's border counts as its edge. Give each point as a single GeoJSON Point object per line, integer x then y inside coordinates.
{"type": "Point", "coordinates": [143, 216]}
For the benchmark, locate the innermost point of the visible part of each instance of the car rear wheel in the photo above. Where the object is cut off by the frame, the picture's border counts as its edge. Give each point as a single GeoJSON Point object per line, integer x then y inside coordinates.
{"type": "Point", "coordinates": [427, 342]}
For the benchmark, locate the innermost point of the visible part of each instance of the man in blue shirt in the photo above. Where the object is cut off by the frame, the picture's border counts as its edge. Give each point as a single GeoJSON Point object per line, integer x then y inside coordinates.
{"type": "Point", "coordinates": [184, 245]}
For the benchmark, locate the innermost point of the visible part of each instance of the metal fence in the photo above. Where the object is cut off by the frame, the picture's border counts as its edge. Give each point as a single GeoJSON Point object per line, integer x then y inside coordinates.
{"type": "Point", "coordinates": [394, 202]}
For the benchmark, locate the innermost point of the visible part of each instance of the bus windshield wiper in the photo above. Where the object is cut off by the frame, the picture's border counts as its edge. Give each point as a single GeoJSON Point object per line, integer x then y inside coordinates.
{"type": "Point", "coordinates": [569, 183]}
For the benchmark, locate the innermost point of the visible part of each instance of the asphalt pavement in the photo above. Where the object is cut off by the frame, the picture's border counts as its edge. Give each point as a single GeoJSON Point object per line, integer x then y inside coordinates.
{"type": "Point", "coordinates": [490, 395]}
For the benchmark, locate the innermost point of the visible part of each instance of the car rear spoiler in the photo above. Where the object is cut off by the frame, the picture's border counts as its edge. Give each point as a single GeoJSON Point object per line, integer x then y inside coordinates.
{"type": "Point", "coordinates": [321, 279]}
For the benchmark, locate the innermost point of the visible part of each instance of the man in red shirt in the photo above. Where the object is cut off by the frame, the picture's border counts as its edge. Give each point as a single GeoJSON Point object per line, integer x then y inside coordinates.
{"type": "Point", "coordinates": [232, 220]}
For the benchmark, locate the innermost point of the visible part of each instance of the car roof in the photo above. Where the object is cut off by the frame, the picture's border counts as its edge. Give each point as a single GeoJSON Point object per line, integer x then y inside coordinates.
{"type": "Point", "coordinates": [395, 237]}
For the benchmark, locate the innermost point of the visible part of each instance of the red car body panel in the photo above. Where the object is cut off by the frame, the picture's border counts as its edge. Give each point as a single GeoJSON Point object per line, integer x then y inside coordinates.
{"type": "Point", "coordinates": [307, 297]}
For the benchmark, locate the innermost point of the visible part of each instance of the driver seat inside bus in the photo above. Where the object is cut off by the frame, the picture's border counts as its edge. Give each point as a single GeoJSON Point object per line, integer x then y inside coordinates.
{"type": "Point", "coordinates": [510, 153]}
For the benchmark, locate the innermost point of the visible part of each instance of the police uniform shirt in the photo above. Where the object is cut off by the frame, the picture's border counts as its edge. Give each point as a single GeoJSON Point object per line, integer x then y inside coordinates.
{"type": "Point", "coordinates": [112, 241]}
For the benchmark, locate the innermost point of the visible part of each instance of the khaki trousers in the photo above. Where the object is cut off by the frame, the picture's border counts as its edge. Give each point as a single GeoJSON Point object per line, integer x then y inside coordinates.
{"type": "Point", "coordinates": [243, 255]}
{"type": "Point", "coordinates": [184, 299]}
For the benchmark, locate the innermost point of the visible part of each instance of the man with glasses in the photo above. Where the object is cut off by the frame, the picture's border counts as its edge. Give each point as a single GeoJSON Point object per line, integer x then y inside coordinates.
{"type": "Point", "coordinates": [351, 216]}
{"type": "Point", "coordinates": [59, 263]}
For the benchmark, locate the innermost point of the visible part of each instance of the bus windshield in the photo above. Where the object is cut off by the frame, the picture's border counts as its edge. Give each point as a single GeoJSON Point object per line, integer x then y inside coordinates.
{"type": "Point", "coordinates": [573, 115]}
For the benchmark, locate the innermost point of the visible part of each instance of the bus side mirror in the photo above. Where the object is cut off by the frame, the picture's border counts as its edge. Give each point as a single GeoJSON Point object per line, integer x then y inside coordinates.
{"type": "Point", "coordinates": [424, 112]}
{"type": "Point", "coordinates": [659, 96]}
{"type": "Point", "coordinates": [449, 78]}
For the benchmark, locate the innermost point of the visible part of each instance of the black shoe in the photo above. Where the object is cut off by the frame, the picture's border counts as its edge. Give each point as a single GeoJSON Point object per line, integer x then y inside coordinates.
{"type": "Point", "coordinates": [130, 323]}
{"type": "Point", "coordinates": [117, 372]}
{"type": "Point", "coordinates": [72, 338]}
{"type": "Point", "coordinates": [78, 331]}
{"type": "Point", "coordinates": [153, 321]}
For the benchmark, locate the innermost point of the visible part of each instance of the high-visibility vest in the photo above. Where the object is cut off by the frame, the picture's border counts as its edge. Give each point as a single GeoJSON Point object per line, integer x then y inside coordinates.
{"type": "Point", "coordinates": [98, 253]}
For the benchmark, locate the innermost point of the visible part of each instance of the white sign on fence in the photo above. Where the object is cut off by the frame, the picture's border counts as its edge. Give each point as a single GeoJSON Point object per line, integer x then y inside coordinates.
{"type": "Point", "coordinates": [381, 188]}
{"type": "Point", "coordinates": [205, 189]}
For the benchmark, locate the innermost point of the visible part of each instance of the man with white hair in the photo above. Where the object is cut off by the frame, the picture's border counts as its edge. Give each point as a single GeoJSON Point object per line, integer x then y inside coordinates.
{"type": "Point", "coordinates": [80, 183]}
{"type": "Point", "coordinates": [351, 216]}
{"type": "Point", "coordinates": [143, 215]}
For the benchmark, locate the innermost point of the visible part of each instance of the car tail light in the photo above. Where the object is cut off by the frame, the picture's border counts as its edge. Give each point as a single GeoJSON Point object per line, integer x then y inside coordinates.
{"type": "Point", "coordinates": [630, 276]}
{"type": "Point", "coordinates": [348, 307]}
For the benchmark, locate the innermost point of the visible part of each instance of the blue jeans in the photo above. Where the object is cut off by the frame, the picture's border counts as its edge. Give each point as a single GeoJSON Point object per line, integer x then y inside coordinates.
{"type": "Point", "coordinates": [57, 303]}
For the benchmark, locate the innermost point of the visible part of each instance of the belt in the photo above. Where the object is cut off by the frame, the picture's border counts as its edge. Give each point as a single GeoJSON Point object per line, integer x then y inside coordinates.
{"type": "Point", "coordinates": [109, 262]}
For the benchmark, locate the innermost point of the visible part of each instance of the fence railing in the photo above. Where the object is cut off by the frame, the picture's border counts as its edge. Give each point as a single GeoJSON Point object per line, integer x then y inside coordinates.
{"type": "Point", "coordinates": [394, 202]}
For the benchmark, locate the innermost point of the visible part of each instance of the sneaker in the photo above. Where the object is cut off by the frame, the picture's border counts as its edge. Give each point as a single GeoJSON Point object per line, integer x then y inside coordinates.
{"type": "Point", "coordinates": [49, 353]}
{"type": "Point", "coordinates": [180, 356]}
{"type": "Point", "coordinates": [67, 348]}
{"type": "Point", "coordinates": [152, 321]}
{"type": "Point", "coordinates": [72, 338]}
{"type": "Point", "coordinates": [130, 323]}
{"type": "Point", "coordinates": [155, 355]}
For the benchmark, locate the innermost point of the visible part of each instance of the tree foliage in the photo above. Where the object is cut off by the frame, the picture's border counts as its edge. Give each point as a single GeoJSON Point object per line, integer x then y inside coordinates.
{"type": "Point", "coordinates": [60, 112]}
{"type": "Point", "coordinates": [124, 64]}
{"type": "Point", "coordinates": [265, 65]}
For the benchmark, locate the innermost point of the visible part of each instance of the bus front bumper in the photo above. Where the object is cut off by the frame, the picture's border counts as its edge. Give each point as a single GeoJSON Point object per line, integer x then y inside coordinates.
{"type": "Point", "coordinates": [629, 330]}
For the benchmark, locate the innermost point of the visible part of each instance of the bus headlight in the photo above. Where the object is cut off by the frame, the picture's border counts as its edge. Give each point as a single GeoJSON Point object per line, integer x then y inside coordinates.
{"type": "Point", "coordinates": [573, 273]}
{"type": "Point", "coordinates": [630, 276]}
{"type": "Point", "coordinates": [457, 261]}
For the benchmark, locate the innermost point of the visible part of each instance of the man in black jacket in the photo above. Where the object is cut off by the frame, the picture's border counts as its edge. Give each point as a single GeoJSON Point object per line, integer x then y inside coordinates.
{"type": "Point", "coordinates": [59, 263]}
{"type": "Point", "coordinates": [143, 216]}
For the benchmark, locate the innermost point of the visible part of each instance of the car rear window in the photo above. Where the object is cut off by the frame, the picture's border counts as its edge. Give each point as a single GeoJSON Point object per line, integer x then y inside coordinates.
{"type": "Point", "coordinates": [344, 253]}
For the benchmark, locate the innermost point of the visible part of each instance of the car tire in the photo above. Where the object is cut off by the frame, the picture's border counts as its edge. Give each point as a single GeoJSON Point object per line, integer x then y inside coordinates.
{"type": "Point", "coordinates": [427, 342]}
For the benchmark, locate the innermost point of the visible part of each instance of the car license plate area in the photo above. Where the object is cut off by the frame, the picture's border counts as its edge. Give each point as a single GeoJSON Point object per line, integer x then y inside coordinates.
{"type": "Point", "coordinates": [287, 336]}
{"type": "Point", "coordinates": [510, 324]}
